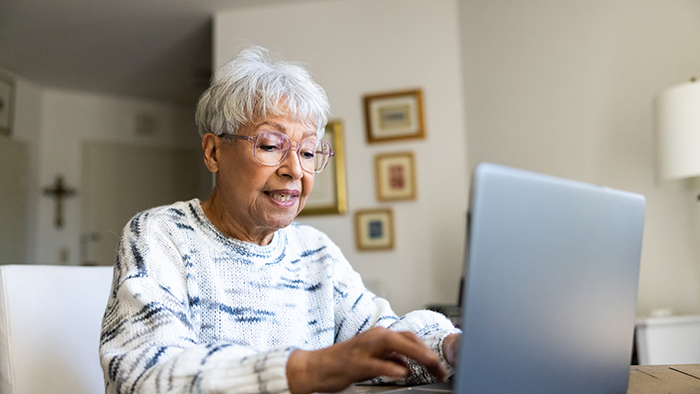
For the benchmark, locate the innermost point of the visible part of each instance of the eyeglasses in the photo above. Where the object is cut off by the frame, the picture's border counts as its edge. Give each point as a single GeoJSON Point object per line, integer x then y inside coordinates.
{"type": "Point", "coordinates": [270, 148]}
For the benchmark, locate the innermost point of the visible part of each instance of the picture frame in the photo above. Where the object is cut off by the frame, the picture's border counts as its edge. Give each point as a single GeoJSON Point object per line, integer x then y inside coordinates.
{"type": "Point", "coordinates": [395, 176]}
{"type": "Point", "coordinates": [329, 195]}
{"type": "Point", "coordinates": [374, 229]}
{"type": "Point", "coordinates": [7, 104]}
{"type": "Point", "coordinates": [394, 116]}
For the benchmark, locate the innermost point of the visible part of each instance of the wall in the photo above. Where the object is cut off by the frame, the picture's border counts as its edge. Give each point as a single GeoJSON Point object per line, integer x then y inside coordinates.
{"type": "Point", "coordinates": [26, 128]}
{"type": "Point", "coordinates": [566, 88]}
{"type": "Point", "coordinates": [68, 119]}
{"type": "Point", "coordinates": [54, 123]}
{"type": "Point", "coordinates": [366, 46]}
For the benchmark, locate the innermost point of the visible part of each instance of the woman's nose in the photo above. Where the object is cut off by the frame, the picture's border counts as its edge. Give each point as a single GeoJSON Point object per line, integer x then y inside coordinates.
{"type": "Point", "coordinates": [291, 164]}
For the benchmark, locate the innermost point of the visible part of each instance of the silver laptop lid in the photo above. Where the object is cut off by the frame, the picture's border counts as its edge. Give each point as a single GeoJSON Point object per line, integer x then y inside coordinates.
{"type": "Point", "coordinates": [550, 285]}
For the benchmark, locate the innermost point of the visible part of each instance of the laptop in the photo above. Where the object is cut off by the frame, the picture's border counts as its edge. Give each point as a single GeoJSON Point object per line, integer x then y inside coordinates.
{"type": "Point", "coordinates": [550, 288]}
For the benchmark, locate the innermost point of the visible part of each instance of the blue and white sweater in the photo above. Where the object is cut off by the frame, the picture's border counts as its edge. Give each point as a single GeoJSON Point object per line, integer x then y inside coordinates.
{"type": "Point", "coordinates": [192, 310]}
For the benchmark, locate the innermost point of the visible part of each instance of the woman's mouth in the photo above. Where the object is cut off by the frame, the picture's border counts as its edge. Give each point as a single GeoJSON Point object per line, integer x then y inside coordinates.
{"type": "Point", "coordinates": [283, 198]}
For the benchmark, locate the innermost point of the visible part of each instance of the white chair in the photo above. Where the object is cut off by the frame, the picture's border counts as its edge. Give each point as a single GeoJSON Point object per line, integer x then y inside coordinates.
{"type": "Point", "coordinates": [50, 318]}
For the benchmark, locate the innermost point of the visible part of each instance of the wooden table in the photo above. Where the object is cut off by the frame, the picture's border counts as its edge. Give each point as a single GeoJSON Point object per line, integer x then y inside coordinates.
{"type": "Point", "coordinates": [666, 379]}
{"type": "Point", "coordinates": [644, 379]}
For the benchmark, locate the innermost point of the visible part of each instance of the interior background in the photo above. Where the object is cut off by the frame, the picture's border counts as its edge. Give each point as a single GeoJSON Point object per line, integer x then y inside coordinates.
{"type": "Point", "coordinates": [563, 88]}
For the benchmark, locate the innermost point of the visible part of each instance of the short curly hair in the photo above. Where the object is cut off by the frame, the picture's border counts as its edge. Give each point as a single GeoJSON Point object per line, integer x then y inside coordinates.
{"type": "Point", "coordinates": [258, 84]}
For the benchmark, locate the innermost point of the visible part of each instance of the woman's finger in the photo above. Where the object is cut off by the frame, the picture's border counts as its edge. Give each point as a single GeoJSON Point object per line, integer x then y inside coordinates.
{"type": "Point", "coordinates": [409, 345]}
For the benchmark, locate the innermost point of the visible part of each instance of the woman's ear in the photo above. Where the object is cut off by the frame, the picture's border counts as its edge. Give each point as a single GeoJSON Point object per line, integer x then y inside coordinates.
{"type": "Point", "coordinates": [211, 150]}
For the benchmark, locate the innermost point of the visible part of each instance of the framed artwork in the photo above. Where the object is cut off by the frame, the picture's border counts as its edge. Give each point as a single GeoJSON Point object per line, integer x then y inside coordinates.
{"type": "Point", "coordinates": [7, 98]}
{"type": "Point", "coordinates": [394, 116]}
{"type": "Point", "coordinates": [395, 176]}
{"type": "Point", "coordinates": [329, 195]}
{"type": "Point", "coordinates": [374, 229]}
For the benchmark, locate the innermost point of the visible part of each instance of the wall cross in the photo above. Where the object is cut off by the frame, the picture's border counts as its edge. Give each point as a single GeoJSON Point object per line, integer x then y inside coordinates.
{"type": "Point", "coordinates": [59, 191]}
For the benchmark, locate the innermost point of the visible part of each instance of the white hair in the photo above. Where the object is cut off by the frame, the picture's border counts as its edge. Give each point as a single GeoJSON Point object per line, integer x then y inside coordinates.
{"type": "Point", "coordinates": [255, 85]}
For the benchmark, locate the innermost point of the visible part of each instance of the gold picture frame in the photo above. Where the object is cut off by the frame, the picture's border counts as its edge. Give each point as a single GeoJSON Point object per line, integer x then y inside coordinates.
{"type": "Point", "coordinates": [394, 116]}
{"type": "Point", "coordinates": [395, 175]}
{"type": "Point", "coordinates": [329, 195]}
{"type": "Point", "coordinates": [7, 104]}
{"type": "Point", "coordinates": [374, 229]}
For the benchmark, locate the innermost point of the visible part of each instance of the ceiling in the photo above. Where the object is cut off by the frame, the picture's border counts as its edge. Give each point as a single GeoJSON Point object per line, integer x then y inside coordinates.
{"type": "Point", "coordinates": [155, 49]}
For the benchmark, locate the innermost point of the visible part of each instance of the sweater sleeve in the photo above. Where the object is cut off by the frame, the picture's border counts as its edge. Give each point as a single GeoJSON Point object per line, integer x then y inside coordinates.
{"type": "Point", "coordinates": [358, 309]}
{"type": "Point", "coordinates": [149, 341]}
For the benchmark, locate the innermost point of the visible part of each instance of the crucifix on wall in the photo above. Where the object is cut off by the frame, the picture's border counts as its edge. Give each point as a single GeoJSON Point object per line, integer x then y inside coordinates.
{"type": "Point", "coordinates": [59, 191]}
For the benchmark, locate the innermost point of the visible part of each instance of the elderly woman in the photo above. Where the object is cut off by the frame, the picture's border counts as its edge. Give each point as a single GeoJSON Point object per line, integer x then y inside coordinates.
{"type": "Point", "coordinates": [229, 295]}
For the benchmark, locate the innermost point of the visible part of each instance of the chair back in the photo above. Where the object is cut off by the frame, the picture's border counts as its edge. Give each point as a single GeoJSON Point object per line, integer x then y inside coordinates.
{"type": "Point", "coordinates": [50, 321]}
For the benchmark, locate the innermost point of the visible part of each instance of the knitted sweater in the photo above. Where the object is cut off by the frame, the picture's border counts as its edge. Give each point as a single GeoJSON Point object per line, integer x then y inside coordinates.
{"type": "Point", "coordinates": [192, 310]}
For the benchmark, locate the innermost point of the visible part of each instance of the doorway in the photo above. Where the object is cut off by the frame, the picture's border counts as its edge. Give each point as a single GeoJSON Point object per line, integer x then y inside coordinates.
{"type": "Point", "coordinates": [120, 180]}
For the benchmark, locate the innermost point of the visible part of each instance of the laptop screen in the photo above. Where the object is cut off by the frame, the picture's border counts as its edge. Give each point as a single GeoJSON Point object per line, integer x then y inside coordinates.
{"type": "Point", "coordinates": [550, 286]}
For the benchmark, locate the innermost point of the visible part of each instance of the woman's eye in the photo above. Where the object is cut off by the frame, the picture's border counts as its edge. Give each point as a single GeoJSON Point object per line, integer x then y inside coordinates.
{"type": "Point", "coordinates": [269, 147]}
{"type": "Point", "coordinates": [309, 154]}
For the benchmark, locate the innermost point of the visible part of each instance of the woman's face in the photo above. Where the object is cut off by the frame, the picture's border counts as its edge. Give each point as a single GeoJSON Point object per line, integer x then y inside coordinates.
{"type": "Point", "coordinates": [252, 200]}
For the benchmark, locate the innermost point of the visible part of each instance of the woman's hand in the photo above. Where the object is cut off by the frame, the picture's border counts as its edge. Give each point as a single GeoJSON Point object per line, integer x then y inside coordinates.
{"type": "Point", "coordinates": [450, 348]}
{"type": "Point", "coordinates": [375, 352]}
